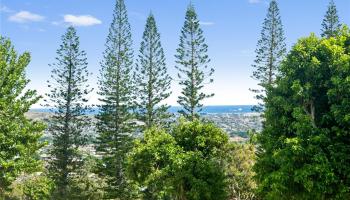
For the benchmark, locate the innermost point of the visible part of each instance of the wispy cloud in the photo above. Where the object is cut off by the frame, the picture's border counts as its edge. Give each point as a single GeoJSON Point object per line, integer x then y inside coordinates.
{"type": "Point", "coordinates": [254, 1]}
{"type": "Point", "coordinates": [5, 9]}
{"type": "Point", "coordinates": [203, 23]}
{"type": "Point", "coordinates": [80, 20]}
{"type": "Point", "coordinates": [26, 16]}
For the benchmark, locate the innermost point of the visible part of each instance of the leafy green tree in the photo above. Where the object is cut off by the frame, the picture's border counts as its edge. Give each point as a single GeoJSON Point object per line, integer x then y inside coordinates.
{"type": "Point", "coordinates": [270, 51]}
{"type": "Point", "coordinates": [67, 100]}
{"type": "Point", "coordinates": [150, 163]}
{"type": "Point", "coordinates": [186, 164]}
{"type": "Point", "coordinates": [304, 144]}
{"type": "Point", "coordinates": [19, 136]}
{"type": "Point", "coordinates": [152, 79]}
{"type": "Point", "coordinates": [330, 24]}
{"type": "Point", "coordinates": [200, 173]}
{"type": "Point", "coordinates": [116, 90]}
{"type": "Point", "coordinates": [192, 63]}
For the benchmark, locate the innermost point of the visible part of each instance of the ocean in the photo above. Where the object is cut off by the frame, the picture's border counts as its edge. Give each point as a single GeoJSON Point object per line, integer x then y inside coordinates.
{"type": "Point", "coordinates": [222, 109]}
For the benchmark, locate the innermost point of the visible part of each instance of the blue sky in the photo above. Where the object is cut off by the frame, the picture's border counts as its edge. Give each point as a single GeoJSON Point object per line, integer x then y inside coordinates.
{"type": "Point", "coordinates": [231, 28]}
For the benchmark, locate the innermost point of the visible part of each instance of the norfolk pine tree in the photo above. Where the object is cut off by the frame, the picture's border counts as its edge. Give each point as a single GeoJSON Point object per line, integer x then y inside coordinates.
{"type": "Point", "coordinates": [270, 51]}
{"type": "Point", "coordinates": [19, 136]}
{"type": "Point", "coordinates": [116, 94]}
{"type": "Point", "coordinates": [331, 25]}
{"type": "Point", "coordinates": [152, 79]}
{"type": "Point", "coordinates": [192, 63]}
{"type": "Point", "coordinates": [67, 100]}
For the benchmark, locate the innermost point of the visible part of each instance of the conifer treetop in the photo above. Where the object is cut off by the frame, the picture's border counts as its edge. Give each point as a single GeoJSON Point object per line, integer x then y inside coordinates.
{"type": "Point", "coordinates": [330, 23]}
{"type": "Point", "coordinates": [270, 51]}
{"type": "Point", "coordinates": [192, 65]}
{"type": "Point", "coordinates": [68, 101]}
{"type": "Point", "coordinates": [151, 77]}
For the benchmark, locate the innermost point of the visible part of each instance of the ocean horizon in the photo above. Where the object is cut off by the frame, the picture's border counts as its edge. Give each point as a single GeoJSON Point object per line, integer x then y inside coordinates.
{"type": "Point", "coordinates": [210, 109]}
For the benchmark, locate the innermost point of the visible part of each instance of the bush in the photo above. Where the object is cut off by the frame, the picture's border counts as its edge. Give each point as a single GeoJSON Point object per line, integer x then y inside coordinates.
{"type": "Point", "coordinates": [241, 159]}
{"type": "Point", "coordinates": [32, 187]}
{"type": "Point", "coordinates": [185, 164]}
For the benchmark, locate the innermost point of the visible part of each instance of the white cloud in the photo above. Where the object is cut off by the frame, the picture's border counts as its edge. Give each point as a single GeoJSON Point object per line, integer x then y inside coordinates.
{"type": "Point", "coordinates": [25, 16]}
{"type": "Point", "coordinates": [254, 1]}
{"type": "Point", "coordinates": [206, 23]}
{"type": "Point", "coordinates": [81, 20]}
{"type": "Point", "coordinates": [5, 9]}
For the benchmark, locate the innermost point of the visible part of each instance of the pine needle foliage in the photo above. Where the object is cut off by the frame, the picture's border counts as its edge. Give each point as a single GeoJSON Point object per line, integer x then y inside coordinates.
{"type": "Point", "coordinates": [192, 65]}
{"type": "Point", "coordinates": [67, 100]}
{"type": "Point", "coordinates": [270, 51]}
{"type": "Point", "coordinates": [152, 79]}
{"type": "Point", "coordinates": [115, 118]}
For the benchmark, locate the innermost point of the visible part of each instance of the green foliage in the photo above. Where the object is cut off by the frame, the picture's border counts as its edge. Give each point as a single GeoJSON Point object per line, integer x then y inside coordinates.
{"type": "Point", "coordinates": [35, 186]}
{"type": "Point", "coordinates": [150, 162]}
{"type": "Point", "coordinates": [192, 63]}
{"type": "Point", "coordinates": [85, 184]}
{"type": "Point", "coordinates": [304, 146]}
{"type": "Point", "coordinates": [186, 164]}
{"type": "Point", "coordinates": [241, 159]}
{"type": "Point", "coordinates": [116, 90]}
{"type": "Point", "coordinates": [19, 136]}
{"type": "Point", "coordinates": [203, 137]}
{"type": "Point", "coordinates": [39, 188]}
{"type": "Point", "coordinates": [68, 102]}
{"type": "Point", "coordinates": [330, 24]}
{"type": "Point", "coordinates": [270, 51]}
{"type": "Point", "coordinates": [152, 80]}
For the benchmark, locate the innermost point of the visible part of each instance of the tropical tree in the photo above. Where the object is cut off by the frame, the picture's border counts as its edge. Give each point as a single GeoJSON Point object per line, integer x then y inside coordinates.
{"type": "Point", "coordinates": [186, 164]}
{"type": "Point", "coordinates": [19, 136]}
{"type": "Point", "coordinates": [304, 144]}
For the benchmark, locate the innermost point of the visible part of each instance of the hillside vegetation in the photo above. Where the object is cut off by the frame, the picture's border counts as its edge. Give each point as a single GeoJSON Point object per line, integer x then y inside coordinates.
{"type": "Point", "coordinates": [134, 148]}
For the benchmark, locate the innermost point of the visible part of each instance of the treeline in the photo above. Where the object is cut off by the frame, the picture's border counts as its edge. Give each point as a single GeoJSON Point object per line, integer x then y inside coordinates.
{"type": "Point", "coordinates": [302, 151]}
{"type": "Point", "coordinates": [143, 152]}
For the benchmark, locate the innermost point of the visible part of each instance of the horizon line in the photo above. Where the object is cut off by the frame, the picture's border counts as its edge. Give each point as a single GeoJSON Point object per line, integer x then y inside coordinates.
{"type": "Point", "coordinates": [95, 106]}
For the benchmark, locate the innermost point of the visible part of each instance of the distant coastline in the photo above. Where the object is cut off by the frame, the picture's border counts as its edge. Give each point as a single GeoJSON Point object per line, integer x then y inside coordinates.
{"type": "Point", "coordinates": [220, 109]}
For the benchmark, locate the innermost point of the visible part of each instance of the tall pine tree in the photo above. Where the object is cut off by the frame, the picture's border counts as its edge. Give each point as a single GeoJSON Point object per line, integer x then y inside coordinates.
{"type": "Point", "coordinates": [116, 94]}
{"type": "Point", "coordinates": [192, 63]}
{"type": "Point", "coordinates": [67, 100]}
{"type": "Point", "coordinates": [270, 51]}
{"type": "Point", "coordinates": [152, 79]}
{"type": "Point", "coordinates": [19, 136]}
{"type": "Point", "coordinates": [331, 25]}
